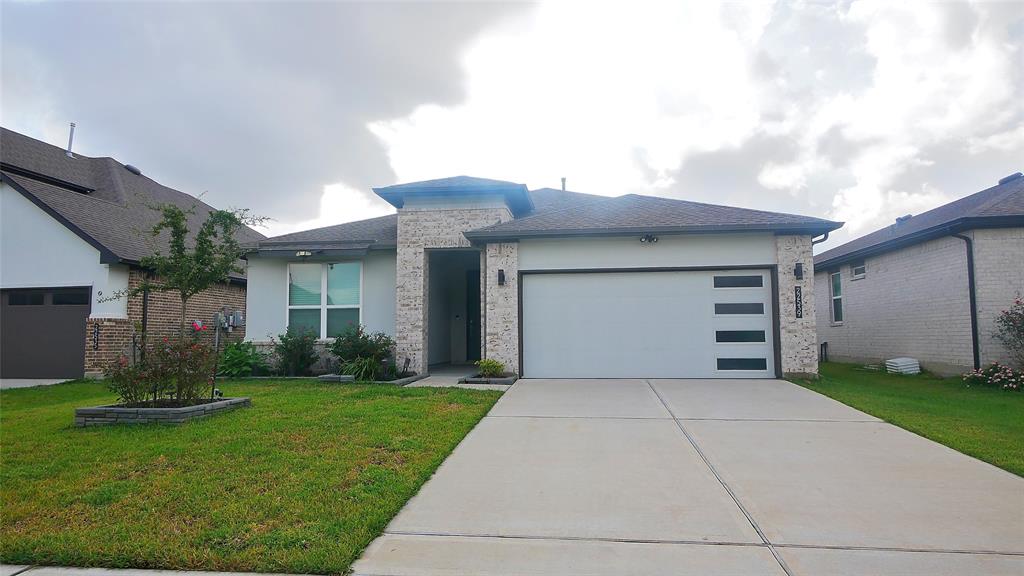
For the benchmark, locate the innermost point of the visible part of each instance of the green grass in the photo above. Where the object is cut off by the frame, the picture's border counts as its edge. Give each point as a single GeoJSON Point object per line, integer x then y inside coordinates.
{"type": "Point", "coordinates": [300, 482]}
{"type": "Point", "coordinates": [985, 423]}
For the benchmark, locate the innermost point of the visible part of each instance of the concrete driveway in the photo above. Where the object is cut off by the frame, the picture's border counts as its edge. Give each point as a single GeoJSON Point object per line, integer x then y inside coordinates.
{"type": "Point", "coordinates": [708, 477]}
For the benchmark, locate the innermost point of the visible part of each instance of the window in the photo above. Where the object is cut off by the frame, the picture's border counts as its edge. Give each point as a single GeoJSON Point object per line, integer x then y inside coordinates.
{"type": "Point", "coordinates": [739, 336]}
{"type": "Point", "coordinates": [71, 297]}
{"type": "Point", "coordinates": [858, 270]}
{"type": "Point", "coordinates": [739, 308]}
{"type": "Point", "coordinates": [742, 364]}
{"type": "Point", "coordinates": [837, 298]}
{"type": "Point", "coordinates": [324, 298]}
{"type": "Point", "coordinates": [25, 298]}
{"type": "Point", "coordinates": [739, 281]}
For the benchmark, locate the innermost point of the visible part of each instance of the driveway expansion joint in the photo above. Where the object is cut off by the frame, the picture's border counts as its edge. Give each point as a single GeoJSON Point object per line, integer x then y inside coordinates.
{"type": "Point", "coordinates": [575, 539]}
{"type": "Point", "coordinates": [898, 549]}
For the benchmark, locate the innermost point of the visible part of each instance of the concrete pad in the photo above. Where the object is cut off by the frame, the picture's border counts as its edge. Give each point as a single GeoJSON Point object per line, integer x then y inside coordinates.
{"type": "Point", "coordinates": [751, 400]}
{"type": "Point", "coordinates": [11, 569]}
{"type": "Point", "coordinates": [581, 398]}
{"type": "Point", "coordinates": [9, 383]}
{"type": "Point", "coordinates": [431, 382]}
{"type": "Point", "coordinates": [448, 556]}
{"type": "Point", "coordinates": [826, 562]}
{"type": "Point", "coordinates": [576, 478]}
{"type": "Point", "coordinates": [863, 485]}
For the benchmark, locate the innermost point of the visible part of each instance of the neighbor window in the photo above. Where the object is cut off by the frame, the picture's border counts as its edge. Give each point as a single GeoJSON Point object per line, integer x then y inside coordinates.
{"type": "Point", "coordinates": [858, 270]}
{"type": "Point", "coordinates": [324, 298]}
{"type": "Point", "coordinates": [837, 297]}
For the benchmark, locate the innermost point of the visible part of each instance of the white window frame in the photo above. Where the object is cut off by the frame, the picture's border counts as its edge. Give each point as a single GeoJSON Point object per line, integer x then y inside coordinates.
{"type": "Point", "coordinates": [833, 297]}
{"type": "Point", "coordinates": [854, 275]}
{"type": "Point", "coordinates": [324, 306]}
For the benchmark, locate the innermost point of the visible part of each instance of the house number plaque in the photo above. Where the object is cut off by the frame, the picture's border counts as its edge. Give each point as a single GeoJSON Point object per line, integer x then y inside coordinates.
{"type": "Point", "coordinates": [799, 300]}
{"type": "Point", "coordinates": [95, 336]}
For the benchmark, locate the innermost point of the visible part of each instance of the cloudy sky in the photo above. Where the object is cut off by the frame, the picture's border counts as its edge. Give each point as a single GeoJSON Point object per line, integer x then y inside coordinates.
{"type": "Point", "coordinates": [856, 111]}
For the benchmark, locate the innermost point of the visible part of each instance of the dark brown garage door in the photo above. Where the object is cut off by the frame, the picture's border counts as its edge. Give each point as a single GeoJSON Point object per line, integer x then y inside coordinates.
{"type": "Point", "coordinates": [42, 332]}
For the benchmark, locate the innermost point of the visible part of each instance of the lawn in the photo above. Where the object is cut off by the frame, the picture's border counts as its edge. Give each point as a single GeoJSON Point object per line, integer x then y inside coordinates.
{"type": "Point", "coordinates": [983, 422]}
{"type": "Point", "coordinates": [300, 482]}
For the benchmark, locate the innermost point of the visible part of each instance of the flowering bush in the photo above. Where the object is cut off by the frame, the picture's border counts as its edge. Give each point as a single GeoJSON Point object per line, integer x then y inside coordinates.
{"type": "Point", "coordinates": [132, 382]}
{"type": "Point", "coordinates": [996, 375]}
{"type": "Point", "coordinates": [1010, 331]}
{"type": "Point", "coordinates": [188, 366]}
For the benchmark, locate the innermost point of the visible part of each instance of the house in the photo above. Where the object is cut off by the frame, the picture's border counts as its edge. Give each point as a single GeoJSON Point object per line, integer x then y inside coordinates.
{"type": "Point", "coordinates": [71, 236]}
{"type": "Point", "coordinates": [929, 286]}
{"type": "Point", "coordinates": [553, 283]}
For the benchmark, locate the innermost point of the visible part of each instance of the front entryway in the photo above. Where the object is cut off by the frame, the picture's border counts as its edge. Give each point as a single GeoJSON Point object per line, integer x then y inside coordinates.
{"type": "Point", "coordinates": [648, 324]}
{"type": "Point", "coordinates": [42, 332]}
{"type": "Point", "coordinates": [453, 307]}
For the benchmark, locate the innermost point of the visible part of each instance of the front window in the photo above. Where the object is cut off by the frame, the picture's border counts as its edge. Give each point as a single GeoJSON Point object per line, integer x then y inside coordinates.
{"type": "Point", "coordinates": [837, 298]}
{"type": "Point", "coordinates": [324, 298]}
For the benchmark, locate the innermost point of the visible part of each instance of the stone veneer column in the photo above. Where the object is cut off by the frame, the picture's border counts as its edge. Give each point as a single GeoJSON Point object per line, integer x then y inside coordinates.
{"type": "Point", "coordinates": [418, 231]}
{"type": "Point", "coordinates": [798, 336]}
{"type": "Point", "coordinates": [501, 317]}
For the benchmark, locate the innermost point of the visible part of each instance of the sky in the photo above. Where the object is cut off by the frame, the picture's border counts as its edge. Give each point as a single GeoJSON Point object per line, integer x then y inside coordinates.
{"type": "Point", "coordinates": [853, 111]}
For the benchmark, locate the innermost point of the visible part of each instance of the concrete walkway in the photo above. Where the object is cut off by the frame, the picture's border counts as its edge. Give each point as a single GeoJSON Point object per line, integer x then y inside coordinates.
{"type": "Point", "coordinates": [700, 477]}
{"type": "Point", "coordinates": [9, 383]}
{"type": "Point", "coordinates": [448, 376]}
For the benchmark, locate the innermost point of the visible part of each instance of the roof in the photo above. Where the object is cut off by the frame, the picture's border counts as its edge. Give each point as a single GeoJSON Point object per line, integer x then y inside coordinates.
{"type": "Point", "coordinates": [999, 206]}
{"type": "Point", "coordinates": [634, 213]}
{"type": "Point", "coordinates": [516, 196]}
{"type": "Point", "coordinates": [98, 199]}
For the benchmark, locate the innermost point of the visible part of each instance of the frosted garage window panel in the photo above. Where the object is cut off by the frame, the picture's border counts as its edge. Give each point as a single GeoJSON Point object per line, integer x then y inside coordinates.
{"type": "Point", "coordinates": [304, 285]}
{"type": "Point", "coordinates": [343, 284]}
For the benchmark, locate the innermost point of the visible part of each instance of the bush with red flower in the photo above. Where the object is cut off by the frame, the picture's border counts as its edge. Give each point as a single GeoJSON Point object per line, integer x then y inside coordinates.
{"type": "Point", "coordinates": [1010, 331]}
{"type": "Point", "coordinates": [996, 375]}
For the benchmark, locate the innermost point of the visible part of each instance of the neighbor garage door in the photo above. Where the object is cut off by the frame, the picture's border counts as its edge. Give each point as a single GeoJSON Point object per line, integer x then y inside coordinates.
{"type": "Point", "coordinates": [42, 332]}
{"type": "Point", "coordinates": [693, 324]}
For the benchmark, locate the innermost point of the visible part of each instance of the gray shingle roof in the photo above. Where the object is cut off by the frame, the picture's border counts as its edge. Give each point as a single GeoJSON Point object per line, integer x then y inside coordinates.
{"type": "Point", "coordinates": [115, 212]}
{"type": "Point", "coordinates": [517, 196]}
{"type": "Point", "coordinates": [1001, 205]}
{"type": "Point", "coordinates": [635, 213]}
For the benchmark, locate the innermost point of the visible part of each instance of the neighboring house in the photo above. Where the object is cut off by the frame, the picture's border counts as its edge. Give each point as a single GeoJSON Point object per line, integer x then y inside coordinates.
{"type": "Point", "coordinates": [72, 235]}
{"type": "Point", "coordinates": [929, 286]}
{"type": "Point", "coordinates": [553, 283]}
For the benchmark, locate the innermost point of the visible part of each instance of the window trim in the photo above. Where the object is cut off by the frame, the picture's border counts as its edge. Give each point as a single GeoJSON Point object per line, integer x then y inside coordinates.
{"type": "Point", "coordinates": [323, 306]}
{"type": "Point", "coordinates": [833, 297]}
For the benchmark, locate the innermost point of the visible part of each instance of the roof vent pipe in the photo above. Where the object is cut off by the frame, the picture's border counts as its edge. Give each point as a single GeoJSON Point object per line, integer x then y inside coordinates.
{"type": "Point", "coordinates": [563, 183]}
{"type": "Point", "coordinates": [902, 219]}
{"type": "Point", "coordinates": [71, 139]}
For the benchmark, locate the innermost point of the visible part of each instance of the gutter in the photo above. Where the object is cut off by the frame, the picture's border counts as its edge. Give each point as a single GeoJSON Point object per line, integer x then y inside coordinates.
{"type": "Point", "coordinates": [969, 244]}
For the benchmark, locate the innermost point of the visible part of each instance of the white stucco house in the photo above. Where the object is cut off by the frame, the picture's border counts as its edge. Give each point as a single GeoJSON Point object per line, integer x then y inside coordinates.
{"type": "Point", "coordinates": [553, 283]}
{"type": "Point", "coordinates": [929, 286]}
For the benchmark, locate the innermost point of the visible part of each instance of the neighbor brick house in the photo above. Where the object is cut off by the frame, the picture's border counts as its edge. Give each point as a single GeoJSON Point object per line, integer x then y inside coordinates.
{"type": "Point", "coordinates": [929, 286]}
{"type": "Point", "coordinates": [553, 283]}
{"type": "Point", "coordinates": [72, 235]}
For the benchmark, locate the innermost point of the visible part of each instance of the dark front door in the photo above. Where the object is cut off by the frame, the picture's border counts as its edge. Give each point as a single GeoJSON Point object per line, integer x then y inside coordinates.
{"type": "Point", "coordinates": [472, 315]}
{"type": "Point", "coordinates": [42, 332]}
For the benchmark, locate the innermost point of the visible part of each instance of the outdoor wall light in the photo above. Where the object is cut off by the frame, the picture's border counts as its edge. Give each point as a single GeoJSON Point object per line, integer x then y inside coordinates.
{"type": "Point", "coordinates": [648, 239]}
{"type": "Point", "coordinates": [303, 253]}
{"type": "Point", "coordinates": [798, 271]}
{"type": "Point", "coordinates": [501, 277]}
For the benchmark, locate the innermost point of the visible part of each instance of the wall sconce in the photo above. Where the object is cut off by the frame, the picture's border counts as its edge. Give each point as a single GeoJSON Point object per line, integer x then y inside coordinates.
{"type": "Point", "coordinates": [648, 239]}
{"type": "Point", "coordinates": [303, 253]}
{"type": "Point", "coordinates": [798, 271]}
{"type": "Point", "coordinates": [501, 277]}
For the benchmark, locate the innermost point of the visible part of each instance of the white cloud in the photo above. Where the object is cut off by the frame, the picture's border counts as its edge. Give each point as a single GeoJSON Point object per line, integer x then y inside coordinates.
{"type": "Point", "coordinates": [339, 203]}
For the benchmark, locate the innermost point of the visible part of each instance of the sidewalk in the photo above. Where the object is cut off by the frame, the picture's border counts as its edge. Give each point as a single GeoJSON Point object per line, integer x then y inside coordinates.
{"type": "Point", "coordinates": [16, 570]}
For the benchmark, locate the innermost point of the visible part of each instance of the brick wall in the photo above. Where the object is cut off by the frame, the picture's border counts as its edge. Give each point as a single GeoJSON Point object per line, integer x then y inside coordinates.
{"type": "Point", "coordinates": [912, 302]}
{"type": "Point", "coordinates": [501, 305]}
{"type": "Point", "coordinates": [798, 339]}
{"type": "Point", "coordinates": [164, 313]}
{"type": "Point", "coordinates": [999, 278]}
{"type": "Point", "coordinates": [419, 230]}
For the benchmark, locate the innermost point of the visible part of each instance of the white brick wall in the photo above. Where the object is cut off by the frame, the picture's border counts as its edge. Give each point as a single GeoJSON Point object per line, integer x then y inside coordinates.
{"type": "Point", "coordinates": [797, 337]}
{"type": "Point", "coordinates": [999, 277]}
{"type": "Point", "coordinates": [912, 302]}
{"type": "Point", "coordinates": [501, 304]}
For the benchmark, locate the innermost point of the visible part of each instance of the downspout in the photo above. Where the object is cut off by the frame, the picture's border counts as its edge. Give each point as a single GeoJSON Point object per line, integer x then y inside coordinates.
{"type": "Point", "coordinates": [973, 297]}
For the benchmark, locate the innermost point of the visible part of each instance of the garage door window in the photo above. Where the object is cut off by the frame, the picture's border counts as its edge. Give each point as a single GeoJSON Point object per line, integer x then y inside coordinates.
{"type": "Point", "coordinates": [739, 281]}
{"type": "Point", "coordinates": [742, 363]}
{"type": "Point", "coordinates": [324, 298]}
{"type": "Point", "coordinates": [740, 308]}
{"type": "Point", "coordinates": [71, 297]}
{"type": "Point", "coordinates": [739, 336]}
{"type": "Point", "coordinates": [25, 298]}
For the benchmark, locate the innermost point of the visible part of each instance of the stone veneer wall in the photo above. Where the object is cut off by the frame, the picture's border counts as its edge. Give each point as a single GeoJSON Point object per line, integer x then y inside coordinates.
{"type": "Point", "coordinates": [501, 305]}
{"type": "Point", "coordinates": [419, 231]}
{"type": "Point", "coordinates": [798, 337]}
{"type": "Point", "coordinates": [114, 336]}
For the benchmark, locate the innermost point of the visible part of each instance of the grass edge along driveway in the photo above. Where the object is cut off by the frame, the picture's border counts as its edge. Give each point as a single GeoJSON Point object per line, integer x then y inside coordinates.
{"type": "Point", "coordinates": [300, 482]}
{"type": "Point", "coordinates": [985, 423]}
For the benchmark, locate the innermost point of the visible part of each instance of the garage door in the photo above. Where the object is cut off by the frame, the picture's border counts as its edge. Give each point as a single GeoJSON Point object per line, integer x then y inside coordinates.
{"type": "Point", "coordinates": [694, 324]}
{"type": "Point", "coordinates": [42, 332]}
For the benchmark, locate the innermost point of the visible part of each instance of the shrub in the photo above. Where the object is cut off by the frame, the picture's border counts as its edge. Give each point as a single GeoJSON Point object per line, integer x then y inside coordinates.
{"type": "Point", "coordinates": [242, 359]}
{"type": "Point", "coordinates": [188, 365]}
{"type": "Point", "coordinates": [997, 376]}
{"type": "Point", "coordinates": [363, 354]}
{"type": "Point", "coordinates": [1010, 331]}
{"type": "Point", "coordinates": [490, 368]}
{"type": "Point", "coordinates": [296, 351]}
{"type": "Point", "coordinates": [131, 382]}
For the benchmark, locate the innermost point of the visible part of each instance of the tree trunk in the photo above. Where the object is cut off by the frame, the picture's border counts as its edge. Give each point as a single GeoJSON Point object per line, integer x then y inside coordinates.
{"type": "Point", "coordinates": [181, 349]}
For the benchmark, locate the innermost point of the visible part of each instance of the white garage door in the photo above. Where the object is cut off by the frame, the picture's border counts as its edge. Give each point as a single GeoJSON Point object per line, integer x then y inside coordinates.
{"type": "Point", "coordinates": [715, 324]}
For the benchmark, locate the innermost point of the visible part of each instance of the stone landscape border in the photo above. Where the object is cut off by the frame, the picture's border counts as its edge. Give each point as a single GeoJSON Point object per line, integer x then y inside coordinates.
{"type": "Point", "coordinates": [105, 415]}
{"type": "Point", "coordinates": [350, 379]}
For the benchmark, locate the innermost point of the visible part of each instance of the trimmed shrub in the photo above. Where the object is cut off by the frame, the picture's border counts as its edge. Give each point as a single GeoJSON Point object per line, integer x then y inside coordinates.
{"type": "Point", "coordinates": [489, 368]}
{"type": "Point", "coordinates": [363, 354]}
{"type": "Point", "coordinates": [295, 351]}
{"type": "Point", "coordinates": [242, 359]}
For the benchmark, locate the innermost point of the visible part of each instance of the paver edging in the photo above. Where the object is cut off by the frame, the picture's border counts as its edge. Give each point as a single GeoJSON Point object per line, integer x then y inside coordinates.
{"type": "Point", "coordinates": [114, 414]}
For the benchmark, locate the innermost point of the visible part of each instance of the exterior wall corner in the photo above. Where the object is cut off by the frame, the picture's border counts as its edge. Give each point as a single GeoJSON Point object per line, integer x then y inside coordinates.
{"type": "Point", "coordinates": [798, 340]}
